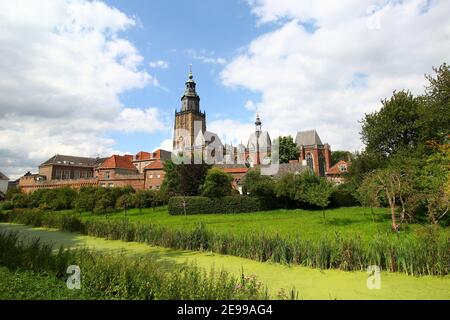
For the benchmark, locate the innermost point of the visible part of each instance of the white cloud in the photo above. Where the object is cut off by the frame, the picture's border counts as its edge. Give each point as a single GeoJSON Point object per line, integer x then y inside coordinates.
{"type": "Point", "coordinates": [161, 64]}
{"type": "Point", "coordinates": [231, 131]}
{"type": "Point", "coordinates": [167, 145]}
{"type": "Point", "coordinates": [63, 67]}
{"type": "Point", "coordinates": [205, 56]}
{"type": "Point", "coordinates": [329, 62]}
{"type": "Point", "coordinates": [250, 105]}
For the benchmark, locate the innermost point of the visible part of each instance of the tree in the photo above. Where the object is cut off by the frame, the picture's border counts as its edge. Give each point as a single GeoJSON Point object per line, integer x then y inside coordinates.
{"type": "Point", "coordinates": [288, 149]}
{"type": "Point", "coordinates": [390, 184]}
{"type": "Point", "coordinates": [339, 155]}
{"type": "Point", "coordinates": [306, 187]}
{"type": "Point", "coordinates": [319, 194]}
{"type": "Point", "coordinates": [260, 186]}
{"type": "Point", "coordinates": [435, 182]}
{"type": "Point", "coordinates": [126, 201]}
{"type": "Point", "coordinates": [183, 179]}
{"type": "Point", "coordinates": [395, 127]}
{"type": "Point", "coordinates": [217, 184]}
{"type": "Point", "coordinates": [86, 199]}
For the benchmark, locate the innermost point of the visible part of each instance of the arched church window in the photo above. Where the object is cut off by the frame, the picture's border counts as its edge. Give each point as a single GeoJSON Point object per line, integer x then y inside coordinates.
{"type": "Point", "coordinates": [321, 165]}
{"type": "Point", "coordinates": [309, 161]}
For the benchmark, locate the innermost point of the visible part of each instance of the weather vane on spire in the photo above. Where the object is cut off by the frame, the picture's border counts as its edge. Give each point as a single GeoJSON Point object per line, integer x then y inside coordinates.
{"type": "Point", "coordinates": [190, 71]}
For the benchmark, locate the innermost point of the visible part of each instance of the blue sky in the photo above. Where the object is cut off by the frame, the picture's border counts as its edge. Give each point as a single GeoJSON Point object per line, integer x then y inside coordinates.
{"type": "Point", "coordinates": [90, 78]}
{"type": "Point", "coordinates": [170, 31]}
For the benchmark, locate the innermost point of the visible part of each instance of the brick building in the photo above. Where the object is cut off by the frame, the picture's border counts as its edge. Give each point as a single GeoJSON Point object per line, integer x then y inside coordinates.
{"type": "Point", "coordinates": [313, 153]}
{"type": "Point", "coordinates": [145, 170]}
{"type": "Point", "coordinates": [62, 167]}
{"type": "Point", "coordinates": [154, 175]}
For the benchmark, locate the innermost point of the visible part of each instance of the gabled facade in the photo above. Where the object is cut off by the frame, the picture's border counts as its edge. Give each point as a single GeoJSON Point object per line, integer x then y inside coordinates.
{"type": "Point", "coordinates": [313, 153]}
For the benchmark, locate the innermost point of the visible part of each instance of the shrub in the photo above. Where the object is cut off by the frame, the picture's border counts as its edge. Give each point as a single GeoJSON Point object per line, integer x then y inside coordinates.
{"type": "Point", "coordinates": [342, 197]}
{"type": "Point", "coordinates": [204, 205]}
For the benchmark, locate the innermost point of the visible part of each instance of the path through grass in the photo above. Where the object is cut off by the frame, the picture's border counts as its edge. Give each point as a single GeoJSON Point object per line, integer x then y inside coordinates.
{"type": "Point", "coordinates": [310, 283]}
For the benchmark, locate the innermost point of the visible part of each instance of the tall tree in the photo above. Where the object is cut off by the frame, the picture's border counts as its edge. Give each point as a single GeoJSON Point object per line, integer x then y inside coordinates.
{"type": "Point", "coordinates": [184, 179]}
{"type": "Point", "coordinates": [390, 184]}
{"type": "Point", "coordinates": [288, 149]}
{"type": "Point", "coordinates": [395, 127]}
{"type": "Point", "coordinates": [217, 184]}
{"type": "Point", "coordinates": [339, 155]}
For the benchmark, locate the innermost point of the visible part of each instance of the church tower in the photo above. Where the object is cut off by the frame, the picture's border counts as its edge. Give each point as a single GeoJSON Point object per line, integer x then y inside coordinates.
{"type": "Point", "coordinates": [189, 120]}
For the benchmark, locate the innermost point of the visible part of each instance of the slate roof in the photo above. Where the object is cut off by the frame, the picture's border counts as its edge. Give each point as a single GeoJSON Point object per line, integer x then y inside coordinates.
{"type": "Point", "coordinates": [308, 138]}
{"type": "Point", "coordinates": [285, 168]}
{"type": "Point", "coordinates": [264, 141]}
{"type": "Point", "coordinates": [3, 177]}
{"type": "Point", "coordinates": [118, 162]}
{"type": "Point", "coordinates": [60, 159]}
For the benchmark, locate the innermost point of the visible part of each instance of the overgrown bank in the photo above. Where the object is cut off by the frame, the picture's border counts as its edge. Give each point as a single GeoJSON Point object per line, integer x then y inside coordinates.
{"type": "Point", "coordinates": [427, 253]}
{"type": "Point", "coordinates": [118, 277]}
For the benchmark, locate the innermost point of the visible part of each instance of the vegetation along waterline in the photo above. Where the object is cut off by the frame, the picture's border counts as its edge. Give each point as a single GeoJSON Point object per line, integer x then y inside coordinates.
{"type": "Point", "coordinates": [425, 253]}
{"type": "Point", "coordinates": [308, 283]}
{"type": "Point", "coordinates": [122, 277]}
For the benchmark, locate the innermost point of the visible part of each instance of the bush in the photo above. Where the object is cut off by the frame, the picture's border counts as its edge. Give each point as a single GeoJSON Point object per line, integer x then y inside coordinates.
{"type": "Point", "coordinates": [342, 197]}
{"type": "Point", "coordinates": [204, 205]}
{"type": "Point", "coordinates": [6, 205]}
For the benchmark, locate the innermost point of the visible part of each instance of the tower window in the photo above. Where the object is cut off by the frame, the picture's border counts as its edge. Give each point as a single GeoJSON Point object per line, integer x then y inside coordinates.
{"type": "Point", "coordinates": [321, 165]}
{"type": "Point", "coordinates": [309, 161]}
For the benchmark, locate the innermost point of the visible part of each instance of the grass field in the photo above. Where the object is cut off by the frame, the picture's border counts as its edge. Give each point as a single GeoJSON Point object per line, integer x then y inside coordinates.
{"type": "Point", "coordinates": [305, 223]}
{"type": "Point", "coordinates": [310, 283]}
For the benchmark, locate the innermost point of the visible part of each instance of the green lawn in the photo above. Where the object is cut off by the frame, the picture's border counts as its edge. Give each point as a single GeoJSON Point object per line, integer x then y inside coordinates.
{"type": "Point", "coordinates": [309, 283]}
{"type": "Point", "coordinates": [305, 223]}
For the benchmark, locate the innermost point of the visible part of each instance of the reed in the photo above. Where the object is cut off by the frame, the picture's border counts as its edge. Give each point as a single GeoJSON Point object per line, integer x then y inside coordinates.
{"type": "Point", "coordinates": [424, 253]}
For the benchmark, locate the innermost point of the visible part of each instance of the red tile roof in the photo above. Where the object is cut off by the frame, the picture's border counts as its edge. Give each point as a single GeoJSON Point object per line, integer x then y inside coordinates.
{"type": "Point", "coordinates": [155, 165]}
{"type": "Point", "coordinates": [118, 162]}
{"type": "Point", "coordinates": [143, 155]}
{"type": "Point", "coordinates": [235, 170]}
{"type": "Point", "coordinates": [335, 169]}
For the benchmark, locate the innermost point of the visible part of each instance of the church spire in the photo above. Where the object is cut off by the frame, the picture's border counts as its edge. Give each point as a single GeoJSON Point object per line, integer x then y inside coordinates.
{"type": "Point", "coordinates": [258, 123]}
{"type": "Point", "coordinates": [190, 99]}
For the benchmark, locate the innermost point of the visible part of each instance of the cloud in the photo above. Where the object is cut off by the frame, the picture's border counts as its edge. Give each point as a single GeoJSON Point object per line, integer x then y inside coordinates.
{"type": "Point", "coordinates": [326, 63]}
{"type": "Point", "coordinates": [250, 105]}
{"type": "Point", "coordinates": [231, 131]}
{"type": "Point", "coordinates": [160, 64]}
{"type": "Point", "coordinates": [205, 56]}
{"type": "Point", "coordinates": [64, 65]}
{"type": "Point", "coordinates": [167, 145]}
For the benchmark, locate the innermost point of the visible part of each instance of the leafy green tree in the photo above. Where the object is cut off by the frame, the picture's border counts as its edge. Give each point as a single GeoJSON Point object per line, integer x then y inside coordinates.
{"type": "Point", "coordinates": [126, 201]}
{"type": "Point", "coordinates": [339, 155]}
{"type": "Point", "coordinates": [217, 184]}
{"type": "Point", "coordinates": [288, 149]}
{"type": "Point", "coordinates": [86, 199]}
{"type": "Point", "coordinates": [395, 127]}
{"type": "Point", "coordinates": [319, 193]}
{"type": "Point", "coordinates": [20, 200]}
{"type": "Point", "coordinates": [394, 186]}
{"type": "Point", "coordinates": [183, 179]}
{"type": "Point", "coordinates": [260, 186]}
{"type": "Point", "coordinates": [434, 182]}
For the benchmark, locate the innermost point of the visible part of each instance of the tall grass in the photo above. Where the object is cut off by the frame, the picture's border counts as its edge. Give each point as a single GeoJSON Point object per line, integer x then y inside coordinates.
{"type": "Point", "coordinates": [121, 277]}
{"type": "Point", "coordinates": [425, 253]}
